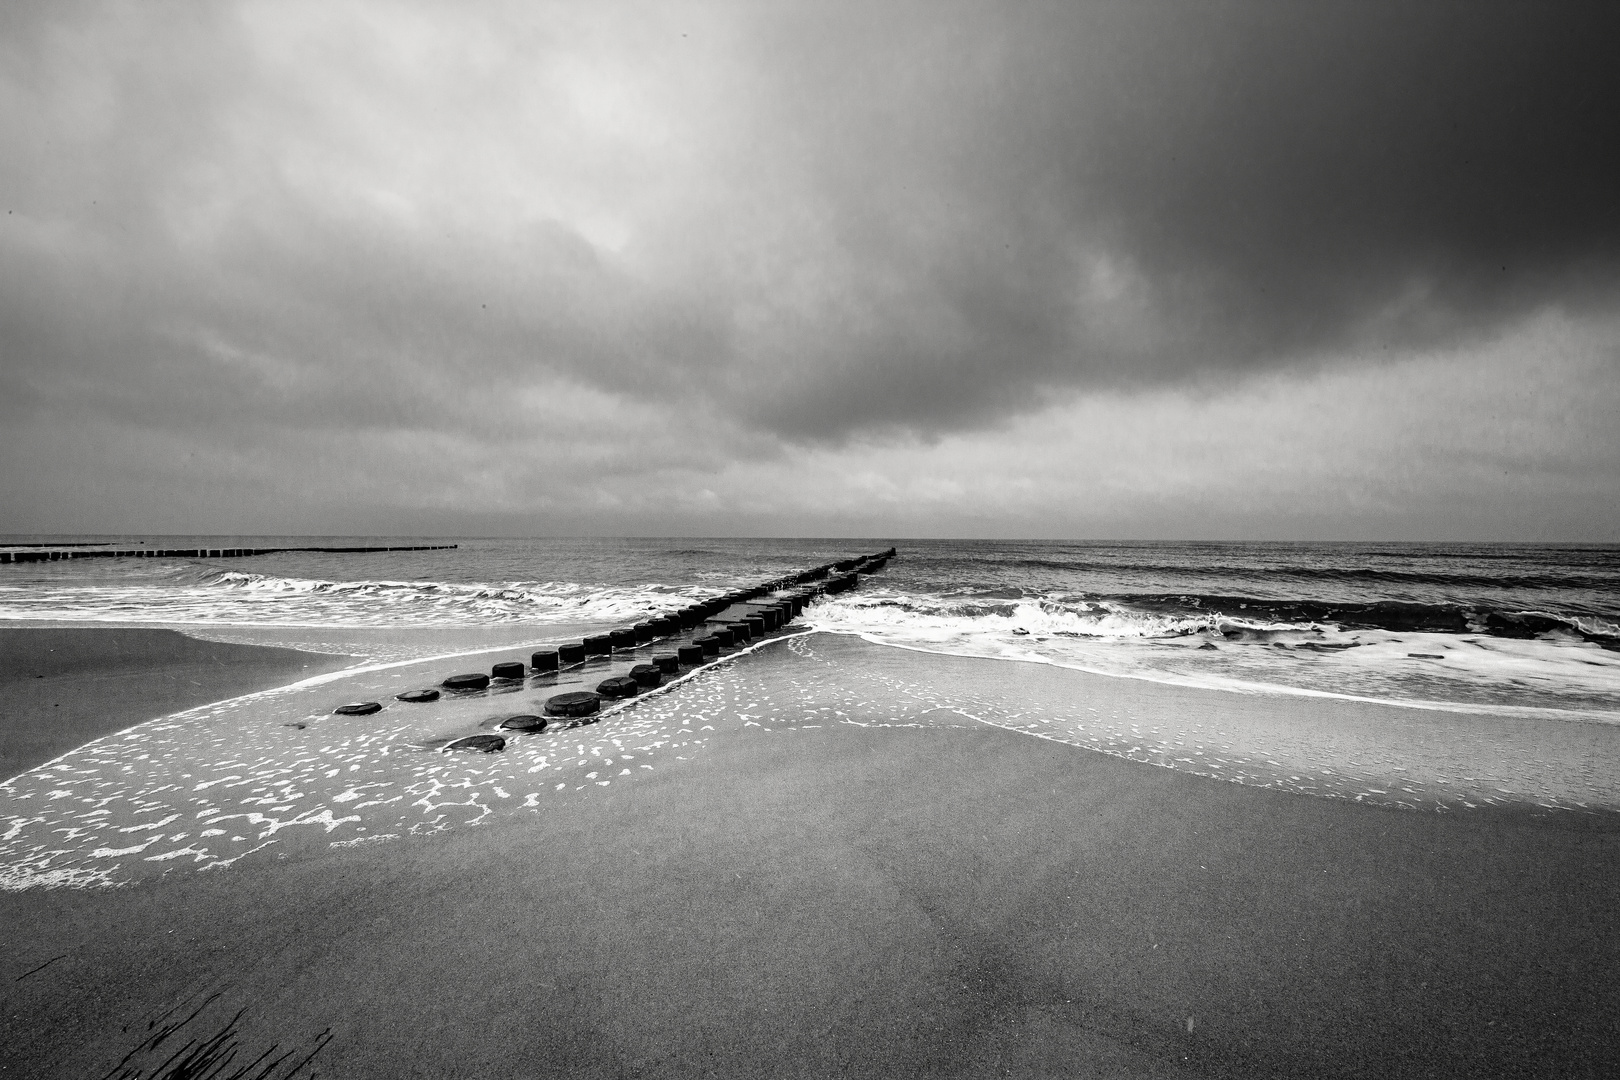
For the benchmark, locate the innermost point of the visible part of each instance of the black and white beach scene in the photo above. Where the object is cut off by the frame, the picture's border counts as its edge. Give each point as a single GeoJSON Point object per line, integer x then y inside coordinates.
{"type": "Point", "coordinates": [809, 539]}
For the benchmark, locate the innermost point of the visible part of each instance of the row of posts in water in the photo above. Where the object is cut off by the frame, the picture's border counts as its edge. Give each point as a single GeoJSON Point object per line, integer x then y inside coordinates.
{"type": "Point", "coordinates": [81, 551]}
{"type": "Point", "coordinates": [758, 618]}
{"type": "Point", "coordinates": [727, 621]}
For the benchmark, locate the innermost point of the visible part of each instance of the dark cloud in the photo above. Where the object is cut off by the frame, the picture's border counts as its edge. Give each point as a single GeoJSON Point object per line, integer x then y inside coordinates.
{"type": "Point", "coordinates": [1273, 181]}
{"type": "Point", "coordinates": [788, 224]}
{"type": "Point", "coordinates": [1329, 157]}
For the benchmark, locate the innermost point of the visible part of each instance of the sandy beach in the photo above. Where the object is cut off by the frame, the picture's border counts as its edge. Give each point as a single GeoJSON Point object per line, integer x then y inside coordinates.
{"type": "Point", "coordinates": [60, 687]}
{"type": "Point", "coordinates": [942, 899]}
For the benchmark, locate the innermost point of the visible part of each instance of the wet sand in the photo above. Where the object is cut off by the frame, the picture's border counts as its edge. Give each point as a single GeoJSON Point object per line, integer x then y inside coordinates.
{"type": "Point", "coordinates": [61, 687]}
{"type": "Point", "coordinates": [869, 901]}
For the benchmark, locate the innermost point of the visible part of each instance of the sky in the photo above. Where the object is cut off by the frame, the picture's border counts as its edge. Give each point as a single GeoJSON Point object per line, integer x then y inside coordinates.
{"type": "Point", "coordinates": [1136, 270]}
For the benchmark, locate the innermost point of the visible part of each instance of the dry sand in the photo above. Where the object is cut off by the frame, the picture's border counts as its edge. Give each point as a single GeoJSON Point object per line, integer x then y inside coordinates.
{"type": "Point", "coordinates": [949, 901]}
{"type": "Point", "coordinates": [61, 687]}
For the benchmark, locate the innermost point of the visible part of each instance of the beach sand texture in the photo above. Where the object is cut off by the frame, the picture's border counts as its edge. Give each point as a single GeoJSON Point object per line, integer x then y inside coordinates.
{"type": "Point", "coordinates": [809, 879]}
{"type": "Point", "coordinates": [62, 687]}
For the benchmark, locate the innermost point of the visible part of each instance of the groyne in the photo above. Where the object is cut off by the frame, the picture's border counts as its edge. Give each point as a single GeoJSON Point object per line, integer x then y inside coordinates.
{"type": "Point", "coordinates": [627, 661]}
{"type": "Point", "coordinates": [53, 553]}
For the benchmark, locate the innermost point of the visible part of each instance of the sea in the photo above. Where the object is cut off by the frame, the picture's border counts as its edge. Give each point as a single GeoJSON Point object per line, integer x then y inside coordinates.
{"type": "Point", "coordinates": [1430, 677]}
{"type": "Point", "coordinates": [1507, 627]}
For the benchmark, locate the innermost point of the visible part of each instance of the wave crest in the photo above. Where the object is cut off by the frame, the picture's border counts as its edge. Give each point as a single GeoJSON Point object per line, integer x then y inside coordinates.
{"type": "Point", "coordinates": [238, 598]}
{"type": "Point", "coordinates": [1518, 661]}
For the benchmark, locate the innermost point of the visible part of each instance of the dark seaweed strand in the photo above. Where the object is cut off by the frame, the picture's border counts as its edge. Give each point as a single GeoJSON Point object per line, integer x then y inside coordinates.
{"type": "Point", "coordinates": [151, 1042]}
{"type": "Point", "coordinates": [42, 967]}
{"type": "Point", "coordinates": [267, 1070]}
{"type": "Point", "coordinates": [320, 1044]}
{"type": "Point", "coordinates": [211, 1058]}
{"type": "Point", "coordinates": [165, 1032]}
{"type": "Point", "coordinates": [209, 1051]}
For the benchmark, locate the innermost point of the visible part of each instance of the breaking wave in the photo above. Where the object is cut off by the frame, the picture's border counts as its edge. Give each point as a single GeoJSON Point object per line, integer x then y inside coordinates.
{"type": "Point", "coordinates": [232, 597]}
{"type": "Point", "coordinates": [1431, 655]}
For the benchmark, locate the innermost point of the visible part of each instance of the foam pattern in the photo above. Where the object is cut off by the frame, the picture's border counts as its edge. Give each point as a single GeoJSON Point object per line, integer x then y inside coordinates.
{"type": "Point", "coordinates": [275, 775]}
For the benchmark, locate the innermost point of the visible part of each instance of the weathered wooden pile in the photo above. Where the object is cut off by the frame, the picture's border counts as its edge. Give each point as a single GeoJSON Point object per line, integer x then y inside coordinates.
{"type": "Point", "coordinates": [693, 635]}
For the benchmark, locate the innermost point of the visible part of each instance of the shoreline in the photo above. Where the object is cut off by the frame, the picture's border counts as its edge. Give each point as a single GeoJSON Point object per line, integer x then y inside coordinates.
{"type": "Point", "coordinates": [80, 821]}
{"type": "Point", "coordinates": [1365, 751]}
{"type": "Point", "coordinates": [63, 687]}
{"type": "Point", "coordinates": [1526, 712]}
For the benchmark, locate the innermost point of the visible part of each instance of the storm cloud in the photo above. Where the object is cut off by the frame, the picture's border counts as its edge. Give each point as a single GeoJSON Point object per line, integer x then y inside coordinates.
{"type": "Point", "coordinates": [459, 257]}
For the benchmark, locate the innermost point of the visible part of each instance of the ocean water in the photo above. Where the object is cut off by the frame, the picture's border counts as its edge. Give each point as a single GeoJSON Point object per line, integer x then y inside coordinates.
{"type": "Point", "coordinates": [1528, 630]}
{"type": "Point", "coordinates": [1533, 630]}
{"type": "Point", "coordinates": [1425, 678]}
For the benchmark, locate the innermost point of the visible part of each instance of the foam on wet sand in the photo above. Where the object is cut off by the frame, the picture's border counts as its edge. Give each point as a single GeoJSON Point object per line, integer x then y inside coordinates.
{"type": "Point", "coordinates": [60, 687]}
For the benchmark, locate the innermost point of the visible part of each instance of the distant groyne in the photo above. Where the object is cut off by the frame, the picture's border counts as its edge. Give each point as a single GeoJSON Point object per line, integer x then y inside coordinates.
{"type": "Point", "coordinates": [75, 551]}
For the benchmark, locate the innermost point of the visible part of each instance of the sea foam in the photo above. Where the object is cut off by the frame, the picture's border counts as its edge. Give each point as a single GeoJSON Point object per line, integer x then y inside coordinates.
{"type": "Point", "coordinates": [1559, 675]}
{"type": "Point", "coordinates": [237, 598]}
